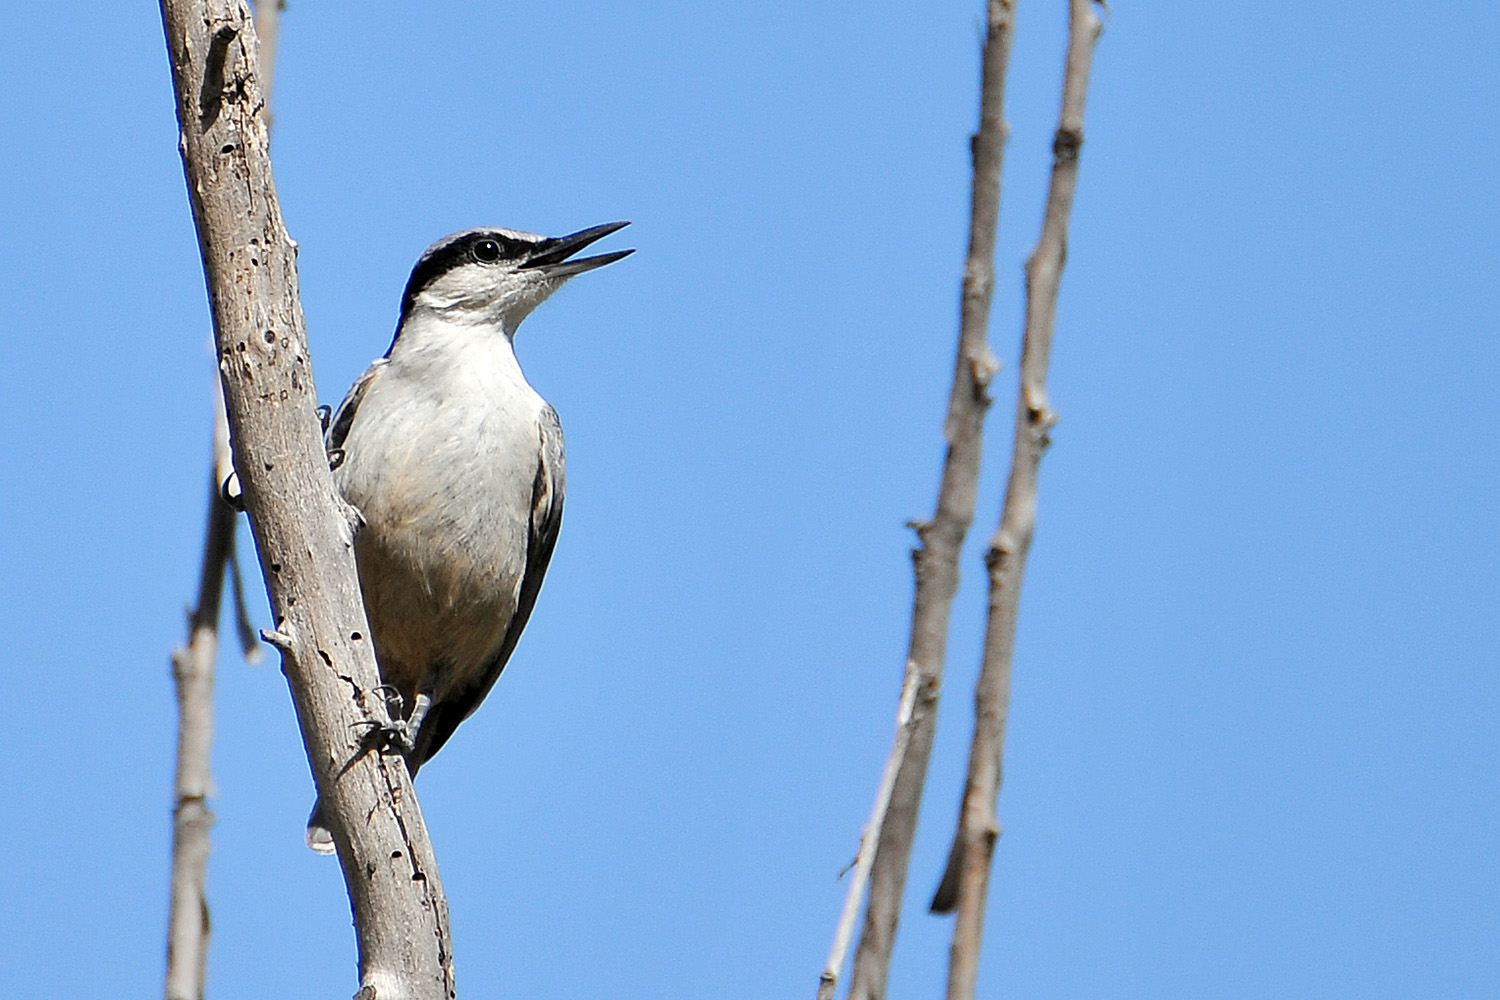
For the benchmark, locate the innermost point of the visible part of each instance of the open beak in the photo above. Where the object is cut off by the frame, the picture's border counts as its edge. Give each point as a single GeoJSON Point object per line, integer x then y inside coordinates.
{"type": "Point", "coordinates": [551, 256]}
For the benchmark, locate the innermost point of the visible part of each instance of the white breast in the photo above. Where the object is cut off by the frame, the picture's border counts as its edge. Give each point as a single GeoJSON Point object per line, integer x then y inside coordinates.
{"type": "Point", "coordinates": [441, 461]}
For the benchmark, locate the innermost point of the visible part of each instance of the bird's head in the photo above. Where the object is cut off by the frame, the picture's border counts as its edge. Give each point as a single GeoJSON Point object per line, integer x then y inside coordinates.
{"type": "Point", "coordinates": [496, 277]}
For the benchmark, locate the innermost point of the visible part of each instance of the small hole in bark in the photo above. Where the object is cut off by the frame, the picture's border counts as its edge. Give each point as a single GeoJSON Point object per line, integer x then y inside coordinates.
{"type": "Point", "coordinates": [395, 855]}
{"type": "Point", "coordinates": [355, 636]}
{"type": "Point", "coordinates": [228, 147]}
{"type": "Point", "coordinates": [418, 877]}
{"type": "Point", "coordinates": [270, 336]}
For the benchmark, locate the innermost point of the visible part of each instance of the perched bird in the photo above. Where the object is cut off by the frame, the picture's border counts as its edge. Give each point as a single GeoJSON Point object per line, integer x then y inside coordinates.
{"type": "Point", "coordinates": [456, 467]}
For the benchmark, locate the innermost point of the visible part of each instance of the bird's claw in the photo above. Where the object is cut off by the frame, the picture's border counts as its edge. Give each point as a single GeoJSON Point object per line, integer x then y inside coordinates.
{"type": "Point", "coordinates": [396, 734]}
{"type": "Point", "coordinates": [395, 705]}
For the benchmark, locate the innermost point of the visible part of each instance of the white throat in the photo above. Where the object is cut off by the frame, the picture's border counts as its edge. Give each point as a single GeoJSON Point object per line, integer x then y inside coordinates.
{"type": "Point", "coordinates": [441, 347]}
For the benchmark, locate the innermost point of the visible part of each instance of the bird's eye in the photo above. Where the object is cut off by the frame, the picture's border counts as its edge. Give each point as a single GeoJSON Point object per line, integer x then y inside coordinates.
{"type": "Point", "coordinates": [487, 251]}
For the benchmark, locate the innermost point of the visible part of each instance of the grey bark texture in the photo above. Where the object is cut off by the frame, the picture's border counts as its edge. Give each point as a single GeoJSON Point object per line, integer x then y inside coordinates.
{"type": "Point", "coordinates": [935, 560]}
{"type": "Point", "coordinates": [966, 882]}
{"type": "Point", "coordinates": [303, 533]}
{"type": "Point", "coordinates": [188, 924]}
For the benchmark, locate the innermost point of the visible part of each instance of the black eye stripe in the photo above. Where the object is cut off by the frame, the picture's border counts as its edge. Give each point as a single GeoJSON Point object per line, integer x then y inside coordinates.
{"type": "Point", "coordinates": [457, 250]}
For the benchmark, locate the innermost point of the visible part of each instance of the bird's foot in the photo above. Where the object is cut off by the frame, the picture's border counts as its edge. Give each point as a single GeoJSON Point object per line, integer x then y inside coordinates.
{"type": "Point", "coordinates": [398, 734]}
{"type": "Point", "coordinates": [395, 705]}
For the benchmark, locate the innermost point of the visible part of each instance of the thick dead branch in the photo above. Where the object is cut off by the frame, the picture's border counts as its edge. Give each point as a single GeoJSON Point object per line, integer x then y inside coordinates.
{"type": "Point", "coordinates": [935, 560]}
{"type": "Point", "coordinates": [188, 921]}
{"type": "Point", "coordinates": [303, 540]}
{"type": "Point", "coordinates": [967, 879]}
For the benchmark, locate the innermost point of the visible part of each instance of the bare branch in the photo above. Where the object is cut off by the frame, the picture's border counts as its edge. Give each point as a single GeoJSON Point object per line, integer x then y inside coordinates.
{"type": "Point", "coordinates": [304, 542]}
{"type": "Point", "coordinates": [193, 672]}
{"type": "Point", "coordinates": [869, 841]}
{"type": "Point", "coordinates": [936, 559]}
{"type": "Point", "coordinates": [967, 878]}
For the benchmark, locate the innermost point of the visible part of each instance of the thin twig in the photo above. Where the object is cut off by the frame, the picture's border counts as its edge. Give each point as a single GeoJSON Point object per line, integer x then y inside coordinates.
{"type": "Point", "coordinates": [935, 561]}
{"type": "Point", "coordinates": [304, 542]}
{"type": "Point", "coordinates": [193, 672]}
{"type": "Point", "coordinates": [243, 627]}
{"type": "Point", "coordinates": [967, 880]}
{"type": "Point", "coordinates": [869, 841]}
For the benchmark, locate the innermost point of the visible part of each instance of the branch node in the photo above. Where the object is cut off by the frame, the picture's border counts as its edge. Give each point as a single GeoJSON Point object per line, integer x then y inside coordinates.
{"type": "Point", "coordinates": [1066, 143]}
{"type": "Point", "coordinates": [979, 276]}
{"type": "Point", "coordinates": [983, 367]}
{"type": "Point", "coordinates": [1038, 412]}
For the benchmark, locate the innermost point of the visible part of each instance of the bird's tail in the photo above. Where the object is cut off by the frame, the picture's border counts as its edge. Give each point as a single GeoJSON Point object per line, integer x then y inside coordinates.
{"type": "Point", "coordinates": [318, 836]}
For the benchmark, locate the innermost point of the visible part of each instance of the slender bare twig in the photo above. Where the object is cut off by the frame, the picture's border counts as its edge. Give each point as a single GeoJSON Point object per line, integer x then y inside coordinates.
{"type": "Point", "coordinates": [967, 878]}
{"type": "Point", "coordinates": [193, 671]}
{"type": "Point", "coordinates": [249, 640]}
{"type": "Point", "coordinates": [223, 465]}
{"type": "Point", "coordinates": [303, 533]}
{"type": "Point", "coordinates": [936, 559]}
{"type": "Point", "coordinates": [869, 841]}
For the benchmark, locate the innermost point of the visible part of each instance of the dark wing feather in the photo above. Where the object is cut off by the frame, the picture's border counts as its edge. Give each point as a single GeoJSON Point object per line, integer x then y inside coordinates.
{"type": "Point", "coordinates": [546, 517]}
{"type": "Point", "coordinates": [343, 417]}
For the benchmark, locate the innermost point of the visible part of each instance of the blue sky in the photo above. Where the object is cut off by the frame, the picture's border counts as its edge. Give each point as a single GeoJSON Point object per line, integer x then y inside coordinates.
{"type": "Point", "coordinates": [1253, 748]}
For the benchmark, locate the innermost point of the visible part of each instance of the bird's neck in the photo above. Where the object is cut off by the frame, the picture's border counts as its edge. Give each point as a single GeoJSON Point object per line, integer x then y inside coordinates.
{"type": "Point", "coordinates": [431, 345]}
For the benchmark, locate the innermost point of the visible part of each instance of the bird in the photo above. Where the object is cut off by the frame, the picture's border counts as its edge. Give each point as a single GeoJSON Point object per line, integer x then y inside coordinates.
{"type": "Point", "coordinates": [455, 465]}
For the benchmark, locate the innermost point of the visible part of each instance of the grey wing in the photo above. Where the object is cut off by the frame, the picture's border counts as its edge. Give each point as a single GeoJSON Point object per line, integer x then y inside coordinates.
{"type": "Point", "coordinates": [343, 417]}
{"type": "Point", "coordinates": [335, 430]}
{"type": "Point", "coordinates": [547, 492]}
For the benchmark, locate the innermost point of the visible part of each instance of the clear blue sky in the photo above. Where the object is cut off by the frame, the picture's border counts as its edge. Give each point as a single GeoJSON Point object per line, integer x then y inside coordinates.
{"type": "Point", "coordinates": [1254, 748]}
